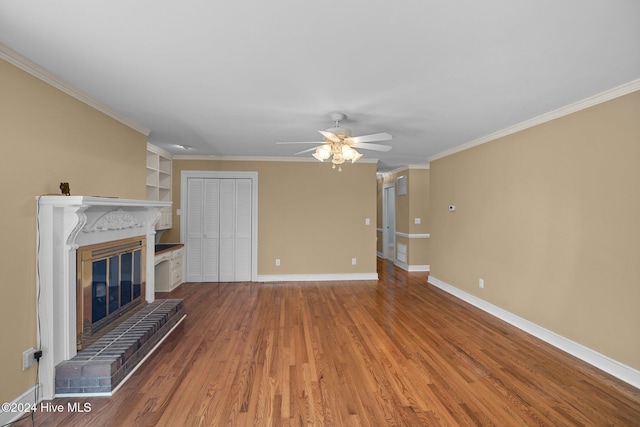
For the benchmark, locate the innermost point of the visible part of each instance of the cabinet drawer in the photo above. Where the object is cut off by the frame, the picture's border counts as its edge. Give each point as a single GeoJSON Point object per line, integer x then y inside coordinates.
{"type": "Point", "coordinates": [176, 277]}
{"type": "Point", "coordinates": [176, 263]}
{"type": "Point", "coordinates": [165, 256]}
{"type": "Point", "coordinates": [177, 253]}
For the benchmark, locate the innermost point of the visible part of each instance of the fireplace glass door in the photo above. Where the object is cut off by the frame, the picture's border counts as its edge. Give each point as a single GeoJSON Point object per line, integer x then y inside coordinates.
{"type": "Point", "coordinates": [110, 283]}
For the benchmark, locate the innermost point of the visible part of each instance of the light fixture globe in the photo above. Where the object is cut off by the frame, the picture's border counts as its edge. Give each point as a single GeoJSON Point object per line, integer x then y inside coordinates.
{"type": "Point", "coordinates": [348, 152]}
{"type": "Point", "coordinates": [323, 152]}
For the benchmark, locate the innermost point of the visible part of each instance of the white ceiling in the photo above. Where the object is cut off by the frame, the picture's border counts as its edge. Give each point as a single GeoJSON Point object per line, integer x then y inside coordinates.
{"type": "Point", "coordinates": [230, 78]}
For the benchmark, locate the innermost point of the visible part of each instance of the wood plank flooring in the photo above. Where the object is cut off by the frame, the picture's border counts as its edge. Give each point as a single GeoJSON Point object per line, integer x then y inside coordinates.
{"type": "Point", "coordinates": [393, 352]}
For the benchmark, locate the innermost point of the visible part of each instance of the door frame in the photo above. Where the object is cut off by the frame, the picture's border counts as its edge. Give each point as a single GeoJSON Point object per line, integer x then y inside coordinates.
{"type": "Point", "coordinates": [385, 219]}
{"type": "Point", "coordinates": [182, 212]}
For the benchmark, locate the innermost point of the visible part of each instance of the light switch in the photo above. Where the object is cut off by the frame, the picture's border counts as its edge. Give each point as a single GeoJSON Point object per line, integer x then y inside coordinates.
{"type": "Point", "coordinates": [367, 221]}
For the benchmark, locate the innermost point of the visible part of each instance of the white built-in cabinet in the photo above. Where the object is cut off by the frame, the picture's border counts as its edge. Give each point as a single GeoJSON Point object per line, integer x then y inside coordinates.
{"type": "Point", "coordinates": [219, 229]}
{"type": "Point", "coordinates": [169, 269]}
{"type": "Point", "coordinates": [159, 167]}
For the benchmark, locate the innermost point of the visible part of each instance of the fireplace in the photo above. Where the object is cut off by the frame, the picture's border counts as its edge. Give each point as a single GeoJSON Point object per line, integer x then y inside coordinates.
{"type": "Point", "coordinates": [111, 284]}
{"type": "Point", "coordinates": [109, 228]}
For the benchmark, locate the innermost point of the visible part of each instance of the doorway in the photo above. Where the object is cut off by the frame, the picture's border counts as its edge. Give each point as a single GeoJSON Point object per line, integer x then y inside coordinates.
{"type": "Point", "coordinates": [389, 221]}
{"type": "Point", "coordinates": [218, 226]}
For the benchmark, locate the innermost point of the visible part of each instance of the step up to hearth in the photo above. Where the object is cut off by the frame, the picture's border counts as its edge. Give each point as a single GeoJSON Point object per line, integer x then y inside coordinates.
{"type": "Point", "coordinates": [100, 368]}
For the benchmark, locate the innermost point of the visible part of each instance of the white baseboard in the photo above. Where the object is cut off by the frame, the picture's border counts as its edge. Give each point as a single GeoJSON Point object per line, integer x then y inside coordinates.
{"type": "Point", "coordinates": [26, 399]}
{"type": "Point", "coordinates": [411, 268]}
{"type": "Point", "coordinates": [592, 357]}
{"type": "Point", "coordinates": [316, 277]}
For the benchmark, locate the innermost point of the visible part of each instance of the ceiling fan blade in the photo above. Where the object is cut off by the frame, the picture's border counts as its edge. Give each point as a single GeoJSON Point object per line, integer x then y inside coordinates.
{"type": "Point", "coordinates": [306, 151]}
{"type": "Point", "coordinates": [371, 138]}
{"type": "Point", "coordinates": [330, 136]}
{"type": "Point", "coordinates": [366, 146]}
{"type": "Point", "coordinates": [303, 142]}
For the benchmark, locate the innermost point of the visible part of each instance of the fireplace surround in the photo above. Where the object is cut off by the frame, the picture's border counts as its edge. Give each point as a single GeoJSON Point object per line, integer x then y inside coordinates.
{"type": "Point", "coordinates": [66, 224]}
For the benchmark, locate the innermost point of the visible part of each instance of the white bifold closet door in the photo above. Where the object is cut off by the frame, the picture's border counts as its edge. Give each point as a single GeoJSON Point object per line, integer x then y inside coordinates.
{"type": "Point", "coordinates": [219, 222]}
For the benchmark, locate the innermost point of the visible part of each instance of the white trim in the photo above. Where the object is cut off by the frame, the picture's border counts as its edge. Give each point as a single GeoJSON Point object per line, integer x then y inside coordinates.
{"type": "Point", "coordinates": [25, 64]}
{"type": "Point", "coordinates": [600, 361]}
{"type": "Point", "coordinates": [402, 168]}
{"type": "Point", "coordinates": [413, 236]}
{"type": "Point", "coordinates": [26, 398]}
{"type": "Point", "coordinates": [253, 176]}
{"type": "Point", "coordinates": [157, 150]}
{"type": "Point", "coordinates": [258, 158]}
{"type": "Point", "coordinates": [316, 277]}
{"type": "Point", "coordinates": [411, 268]}
{"type": "Point", "coordinates": [607, 95]}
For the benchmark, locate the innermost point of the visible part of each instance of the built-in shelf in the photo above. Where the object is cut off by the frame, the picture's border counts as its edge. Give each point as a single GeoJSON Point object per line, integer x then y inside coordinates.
{"type": "Point", "coordinates": [159, 167]}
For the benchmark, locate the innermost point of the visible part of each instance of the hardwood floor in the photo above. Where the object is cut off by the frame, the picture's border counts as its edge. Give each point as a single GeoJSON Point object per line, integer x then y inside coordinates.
{"type": "Point", "coordinates": [369, 353]}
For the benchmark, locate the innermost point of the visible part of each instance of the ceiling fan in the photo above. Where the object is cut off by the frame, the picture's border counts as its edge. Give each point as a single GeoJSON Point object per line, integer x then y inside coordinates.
{"type": "Point", "coordinates": [339, 146]}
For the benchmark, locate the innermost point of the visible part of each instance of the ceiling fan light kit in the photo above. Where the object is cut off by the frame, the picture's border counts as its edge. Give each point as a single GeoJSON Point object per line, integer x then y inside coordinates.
{"type": "Point", "coordinates": [339, 146]}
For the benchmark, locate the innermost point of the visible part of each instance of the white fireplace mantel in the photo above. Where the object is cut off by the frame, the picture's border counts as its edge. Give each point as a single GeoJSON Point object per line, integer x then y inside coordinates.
{"type": "Point", "coordinates": [66, 223]}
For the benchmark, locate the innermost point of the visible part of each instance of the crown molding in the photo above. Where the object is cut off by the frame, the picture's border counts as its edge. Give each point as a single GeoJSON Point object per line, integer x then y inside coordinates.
{"type": "Point", "coordinates": [25, 64]}
{"type": "Point", "coordinates": [403, 168]}
{"type": "Point", "coordinates": [591, 101]}
{"type": "Point", "coordinates": [160, 151]}
{"type": "Point", "coordinates": [260, 159]}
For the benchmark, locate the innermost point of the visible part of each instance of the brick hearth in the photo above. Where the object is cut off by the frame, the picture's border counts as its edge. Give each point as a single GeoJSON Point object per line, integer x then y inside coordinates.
{"type": "Point", "coordinates": [102, 366]}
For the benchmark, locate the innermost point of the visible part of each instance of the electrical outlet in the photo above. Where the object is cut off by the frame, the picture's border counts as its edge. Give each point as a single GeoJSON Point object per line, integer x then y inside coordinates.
{"type": "Point", "coordinates": [354, 261]}
{"type": "Point", "coordinates": [277, 262]}
{"type": "Point", "coordinates": [27, 358]}
{"type": "Point", "coordinates": [367, 221]}
{"type": "Point", "coordinates": [416, 220]}
{"type": "Point", "coordinates": [481, 283]}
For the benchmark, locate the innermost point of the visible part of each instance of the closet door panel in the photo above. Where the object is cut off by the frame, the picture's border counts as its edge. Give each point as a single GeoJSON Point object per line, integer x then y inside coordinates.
{"type": "Point", "coordinates": [194, 229]}
{"type": "Point", "coordinates": [242, 258]}
{"type": "Point", "coordinates": [211, 230]}
{"type": "Point", "coordinates": [227, 229]}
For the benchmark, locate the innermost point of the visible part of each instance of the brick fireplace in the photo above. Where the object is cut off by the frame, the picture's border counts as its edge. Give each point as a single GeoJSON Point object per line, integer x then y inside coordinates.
{"type": "Point", "coordinates": [67, 225]}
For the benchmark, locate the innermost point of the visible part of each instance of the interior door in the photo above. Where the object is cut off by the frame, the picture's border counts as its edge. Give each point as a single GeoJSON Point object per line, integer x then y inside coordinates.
{"type": "Point", "coordinates": [243, 218]}
{"type": "Point", "coordinates": [227, 229]}
{"type": "Point", "coordinates": [219, 229]}
{"type": "Point", "coordinates": [211, 230]}
{"type": "Point", "coordinates": [194, 229]}
{"type": "Point", "coordinates": [389, 222]}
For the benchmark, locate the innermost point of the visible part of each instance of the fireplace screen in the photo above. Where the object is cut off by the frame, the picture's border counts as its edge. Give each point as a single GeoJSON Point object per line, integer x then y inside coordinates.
{"type": "Point", "coordinates": [110, 283]}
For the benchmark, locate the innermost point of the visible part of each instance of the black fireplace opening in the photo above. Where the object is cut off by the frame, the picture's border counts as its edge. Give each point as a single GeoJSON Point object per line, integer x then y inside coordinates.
{"type": "Point", "coordinates": [116, 283]}
{"type": "Point", "coordinates": [110, 283]}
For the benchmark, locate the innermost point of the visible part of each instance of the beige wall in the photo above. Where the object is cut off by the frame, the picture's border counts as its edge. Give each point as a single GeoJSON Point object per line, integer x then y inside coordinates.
{"type": "Point", "coordinates": [549, 217]}
{"type": "Point", "coordinates": [418, 188]}
{"type": "Point", "coordinates": [310, 216]}
{"type": "Point", "coordinates": [48, 137]}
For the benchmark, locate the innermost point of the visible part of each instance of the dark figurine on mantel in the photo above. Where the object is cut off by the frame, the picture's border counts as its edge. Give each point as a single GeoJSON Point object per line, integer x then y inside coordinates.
{"type": "Point", "coordinates": [64, 187]}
